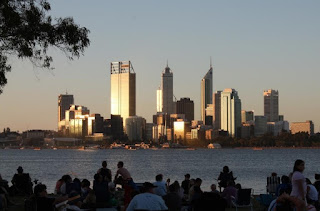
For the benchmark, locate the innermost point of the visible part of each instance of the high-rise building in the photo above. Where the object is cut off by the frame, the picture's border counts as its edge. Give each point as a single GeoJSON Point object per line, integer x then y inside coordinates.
{"type": "Point", "coordinates": [260, 125]}
{"type": "Point", "coordinates": [159, 100]}
{"type": "Point", "coordinates": [64, 102]}
{"type": "Point", "coordinates": [123, 89]}
{"type": "Point", "coordinates": [216, 102]}
{"type": "Point", "coordinates": [230, 112]}
{"type": "Point", "coordinates": [186, 106]}
{"type": "Point", "coordinates": [246, 116]}
{"type": "Point", "coordinates": [206, 93]}
{"type": "Point", "coordinates": [298, 127]}
{"type": "Point", "coordinates": [135, 128]}
{"type": "Point", "coordinates": [167, 91]}
{"type": "Point", "coordinates": [271, 105]}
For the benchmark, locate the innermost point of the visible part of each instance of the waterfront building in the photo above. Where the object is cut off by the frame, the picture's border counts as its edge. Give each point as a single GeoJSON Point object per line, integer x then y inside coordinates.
{"type": "Point", "coordinates": [298, 127]}
{"type": "Point", "coordinates": [135, 128]}
{"type": "Point", "coordinates": [230, 112]}
{"type": "Point", "coordinates": [180, 128]}
{"type": "Point", "coordinates": [271, 105]}
{"type": "Point", "coordinates": [123, 89]}
{"type": "Point", "coordinates": [275, 128]}
{"type": "Point", "coordinates": [196, 123]}
{"type": "Point", "coordinates": [167, 91]}
{"type": "Point", "coordinates": [149, 131]}
{"type": "Point", "coordinates": [246, 130]}
{"type": "Point", "coordinates": [246, 116]}
{"type": "Point", "coordinates": [117, 127]}
{"type": "Point", "coordinates": [206, 93]}
{"type": "Point", "coordinates": [216, 102]}
{"type": "Point", "coordinates": [64, 102]}
{"type": "Point", "coordinates": [281, 118]}
{"type": "Point", "coordinates": [260, 125]}
{"type": "Point", "coordinates": [209, 114]}
{"type": "Point", "coordinates": [186, 106]}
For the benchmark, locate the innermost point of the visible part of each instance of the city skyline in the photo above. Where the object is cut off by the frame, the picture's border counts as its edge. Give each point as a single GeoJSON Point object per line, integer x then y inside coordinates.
{"type": "Point", "coordinates": [278, 49]}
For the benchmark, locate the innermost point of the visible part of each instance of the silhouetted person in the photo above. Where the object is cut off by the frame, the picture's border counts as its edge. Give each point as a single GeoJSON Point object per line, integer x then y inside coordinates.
{"type": "Point", "coordinates": [172, 199]}
{"type": "Point", "coordinates": [101, 190]}
{"type": "Point", "coordinates": [105, 172]}
{"type": "Point", "coordinates": [225, 177]}
{"type": "Point", "coordinates": [186, 184]}
{"type": "Point", "coordinates": [22, 182]}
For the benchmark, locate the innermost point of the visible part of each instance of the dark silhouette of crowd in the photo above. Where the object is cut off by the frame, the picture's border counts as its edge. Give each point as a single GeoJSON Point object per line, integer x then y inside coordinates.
{"type": "Point", "coordinates": [122, 193]}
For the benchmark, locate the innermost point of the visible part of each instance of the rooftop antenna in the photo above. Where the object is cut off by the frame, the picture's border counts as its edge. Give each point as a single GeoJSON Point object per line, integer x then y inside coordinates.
{"type": "Point", "coordinates": [210, 62]}
{"type": "Point", "coordinates": [66, 91]}
{"type": "Point", "coordinates": [167, 63]}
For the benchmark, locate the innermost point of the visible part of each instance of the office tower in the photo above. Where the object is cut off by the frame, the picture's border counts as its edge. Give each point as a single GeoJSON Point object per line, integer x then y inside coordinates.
{"type": "Point", "coordinates": [180, 128]}
{"type": "Point", "coordinates": [135, 128]}
{"type": "Point", "coordinates": [260, 125]}
{"type": "Point", "coordinates": [206, 93]}
{"type": "Point", "coordinates": [230, 112]}
{"type": "Point", "coordinates": [209, 115]}
{"type": "Point", "coordinates": [64, 102]}
{"type": "Point", "coordinates": [159, 100]}
{"type": "Point", "coordinates": [216, 102]}
{"type": "Point", "coordinates": [123, 89]}
{"type": "Point", "coordinates": [246, 116]}
{"type": "Point", "coordinates": [271, 105]}
{"type": "Point", "coordinates": [167, 91]}
{"type": "Point", "coordinates": [186, 106]}
{"type": "Point", "coordinates": [300, 127]}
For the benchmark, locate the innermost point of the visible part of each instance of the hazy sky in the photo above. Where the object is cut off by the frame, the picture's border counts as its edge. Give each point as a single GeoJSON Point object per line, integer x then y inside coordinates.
{"type": "Point", "coordinates": [255, 45]}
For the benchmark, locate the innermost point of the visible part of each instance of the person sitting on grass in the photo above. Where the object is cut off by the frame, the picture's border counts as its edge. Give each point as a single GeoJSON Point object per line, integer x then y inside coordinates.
{"type": "Point", "coordinates": [229, 193]}
{"type": "Point", "coordinates": [147, 200]}
{"type": "Point", "coordinates": [213, 188]}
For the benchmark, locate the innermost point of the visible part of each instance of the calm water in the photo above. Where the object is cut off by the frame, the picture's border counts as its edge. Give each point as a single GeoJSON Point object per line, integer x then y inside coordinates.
{"type": "Point", "coordinates": [250, 167]}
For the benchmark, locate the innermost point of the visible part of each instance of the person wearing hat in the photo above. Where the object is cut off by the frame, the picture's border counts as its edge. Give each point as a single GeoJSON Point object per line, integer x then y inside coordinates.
{"type": "Point", "coordinates": [22, 182]}
{"type": "Point", "coordinates": [186, 184]}
{"type": "Point", "coordinates": [147, 200]}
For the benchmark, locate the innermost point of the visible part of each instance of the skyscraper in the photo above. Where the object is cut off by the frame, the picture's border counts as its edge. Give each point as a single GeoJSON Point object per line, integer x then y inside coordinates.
{"type": "Point", "coordinates": [216, 118]}
{"type": "Point", "coordinates": [64, 102]}
{"type": "Point", "coordinates": [206, 92]}
{"type": "Point", "coordinates": [123, 89]}
{"type": "Point", "coordinates": [186, 106]}
{"type": "Point", "coordinates": [271, 105]}
{"type": "Point", "coordinates": [230, 112]}
{"type": "Point", "coordinates": [159, 100]}
{"type": "Point", "coordinates": [167, 91]}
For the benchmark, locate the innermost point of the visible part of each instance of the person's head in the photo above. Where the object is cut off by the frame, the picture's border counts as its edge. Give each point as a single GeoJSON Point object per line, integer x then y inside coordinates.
{"type": "Point", "coordinates": [225, 169]}
{"type": "Point", "coordinates": [176, 185]}
{"type": "Point", "coordinates": [198, 182]}
{"type": "Point", "coordinates": [85, 183]}
{"type": "Point", "coordinates": [120, 164]}
{"type": "Point", "coordinates": [76, 180]}
{"type": "Point", "coordinates": [308, 181]}
{"type": "Point", "coordinates": [66, 178]}
{"type": "Point", "coordinates": [148, 187]}
{"type": "Point", "coordinates": [187, 176]}
{"type": "Point", "coordinates": [40, 190]}
{"type": "Point", "coordinates": [317, 176]}
{"type": "Point", "coordinates": [238, 186]}
{"type": "Point", "coordinates": [20, 170]}
{"type": "Point", "coordinates": [192, 181]}
{"type": "Point", "coordinates": [104, 164]}
{"type": "Point", "coordinates": [298, 166]}
{"type": "Point", "coordinates": [273, 174]}
{"type": "Point", "coordinates": [285, 179]}
{"type": "Point", "coordinates": [159, 177]}
{"type": "Point", "coordinates": [98, 177]}
{"type": "Point", "coordinates": [213, 187]}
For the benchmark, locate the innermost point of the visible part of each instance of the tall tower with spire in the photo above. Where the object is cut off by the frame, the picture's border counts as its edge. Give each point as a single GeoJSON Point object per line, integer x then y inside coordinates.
{"type": "Point", "coordinates": [206, 92]}
{"type": "Point", "coordinates": [167, 90]}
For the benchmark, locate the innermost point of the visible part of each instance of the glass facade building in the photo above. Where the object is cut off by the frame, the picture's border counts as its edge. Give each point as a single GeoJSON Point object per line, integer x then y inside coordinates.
{"type": "Point", "coordinates": [123, 89]}
{"type": "Point", "coordinates": [230, 112]}
{"type": "Point", "coordinates": [271, 105]}
{"type": "Point", "coordinates": [206, 93]}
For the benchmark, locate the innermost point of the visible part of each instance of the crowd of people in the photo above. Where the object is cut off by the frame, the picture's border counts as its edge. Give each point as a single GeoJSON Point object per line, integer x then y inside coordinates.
{"type": "Point", "coordinates": [294, 191]}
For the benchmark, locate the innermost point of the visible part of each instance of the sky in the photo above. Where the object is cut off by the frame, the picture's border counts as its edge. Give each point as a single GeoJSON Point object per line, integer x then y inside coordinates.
{"type": "Point", "coordinates": [254, 45]}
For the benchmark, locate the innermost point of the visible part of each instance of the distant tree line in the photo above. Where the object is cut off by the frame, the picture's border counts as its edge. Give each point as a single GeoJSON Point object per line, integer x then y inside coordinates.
{"type": "Point", "coordinates": [267, 140]}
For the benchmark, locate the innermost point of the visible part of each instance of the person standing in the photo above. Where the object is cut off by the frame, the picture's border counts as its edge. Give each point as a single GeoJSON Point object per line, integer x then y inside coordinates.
{"type": "Point", "coordinates": [161, 189]}
{"type": "Point", "coordinates": [186, 184]}
{"type": "Point", "coordinates": [105, 172]}
{"type": "Point", "coordinates": [299, 185]}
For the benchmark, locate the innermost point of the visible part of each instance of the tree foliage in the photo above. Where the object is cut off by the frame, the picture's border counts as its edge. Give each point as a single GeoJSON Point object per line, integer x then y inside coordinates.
{"type": "Point", "coordinates": [27, 32]}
